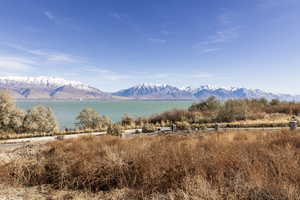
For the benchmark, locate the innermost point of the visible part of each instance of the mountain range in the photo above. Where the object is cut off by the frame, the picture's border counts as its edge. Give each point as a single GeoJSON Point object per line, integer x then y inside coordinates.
{"type": "Point", "coordinates": [168, 92]}
{"type": "Point", "coordinates": [61, 89]}
{"type": "Point", "coordinates": [50, 88]}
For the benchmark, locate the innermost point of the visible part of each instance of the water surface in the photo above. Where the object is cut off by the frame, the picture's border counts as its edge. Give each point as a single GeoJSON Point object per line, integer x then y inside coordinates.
{"type": "Point", "coordinates": [66, 111]}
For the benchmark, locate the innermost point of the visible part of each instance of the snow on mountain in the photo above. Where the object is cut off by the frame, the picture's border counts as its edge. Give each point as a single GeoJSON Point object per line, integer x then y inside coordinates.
{"type": "Point", "coordinates": [43, 81]}
{"type": "Point", "coordinates": [49, 87]}
{"type": "Point", "coordinates": [164, 91]}
{"type": "Point", "coordinates": [58, 88]}
{"type": "Point", "coordinates": [154, 91]}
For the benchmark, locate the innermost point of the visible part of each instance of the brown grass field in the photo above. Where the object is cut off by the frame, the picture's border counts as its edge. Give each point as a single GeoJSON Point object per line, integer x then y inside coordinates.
{"type": "Point", "coordinates": [250, 165]}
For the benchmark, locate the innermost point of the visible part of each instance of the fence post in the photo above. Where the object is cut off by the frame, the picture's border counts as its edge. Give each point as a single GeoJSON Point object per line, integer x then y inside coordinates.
{"type": "Point", "coordinates": [173, 127]}
{"type": "Point", "coordinates": [217, 127]}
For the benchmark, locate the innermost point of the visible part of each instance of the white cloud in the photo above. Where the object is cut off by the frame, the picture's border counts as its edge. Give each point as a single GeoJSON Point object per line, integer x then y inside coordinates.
{"type": "Point", "coordinates": [270, 4]}
{"type": "Point", "coordinates": [157, 40]}
{"type": "Point", "coordinates": [210, 50]}
{"type": "Point", "coordinates": [215, 41]}
{"type": "Point", "coordinates": [201, 75]}
{"type": "Point", "coordinates": [164, 32]}
{"type": "Point", "coordinates": [62, 58]}
{"type": "Point", "coordinates": [66, 22]}
{"type": "Point", "coordinates": [51, 56]}
{"type": "Point", "coordinates": [172, 76]}
{"type": "Point", "coordinates": [57, 57]}
{"type": "Point", "coordinates": [11, 64]}
{"type": "Point", "coordinates": [227, 32]}
{"type": "Point", "coordinates": [222, 36]}
{"type": "Point", "coordinates": [107, 74]}
{"type": "Point", "coordinates": [126, 19]}
{"type": "Point", "coordinates": [49, 15]}
{"type": "Point", "coordinates": [116, 15]}
{"type": "Point", "coordinates": [225, 18]}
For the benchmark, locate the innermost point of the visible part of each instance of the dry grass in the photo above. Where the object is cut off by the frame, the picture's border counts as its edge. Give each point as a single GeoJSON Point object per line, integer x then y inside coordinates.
{"type": "Point", "coordinates": [235, 165]}
{"type": "Point", "coordinates": [269, 120]}
{"type": "Point", "coordinates": [44, 192]}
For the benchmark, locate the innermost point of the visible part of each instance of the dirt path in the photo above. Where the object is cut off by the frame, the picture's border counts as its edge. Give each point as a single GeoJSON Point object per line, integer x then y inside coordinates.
{"type": "Point", "coordinates": [48, 138]}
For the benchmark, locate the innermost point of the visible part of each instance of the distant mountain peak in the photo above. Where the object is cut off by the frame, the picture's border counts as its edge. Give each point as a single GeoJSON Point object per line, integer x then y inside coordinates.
{"type": "Point", "coordinates": [43, 87]}
{"type": "Point", "coordinates": [45, 81]}
{"type": "Point", "coordinates": [152, 85]}
{"type": "Point", "coordinates": [153, 91]}
{"type": "Point", "coordinates": [165, 91]}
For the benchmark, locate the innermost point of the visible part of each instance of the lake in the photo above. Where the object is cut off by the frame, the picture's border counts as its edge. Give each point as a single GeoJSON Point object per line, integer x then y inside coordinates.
{"type": "Point", "coordinates": [66, 111]}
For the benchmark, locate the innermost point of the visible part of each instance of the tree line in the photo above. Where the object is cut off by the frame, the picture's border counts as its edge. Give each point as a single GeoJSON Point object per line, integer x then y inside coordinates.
{"type": "Point", "coordinates": [15, 120]}
{"type": "Point", "coordinates": [41, 119]}
{"type": "Point", "coordinates": [213, 110]}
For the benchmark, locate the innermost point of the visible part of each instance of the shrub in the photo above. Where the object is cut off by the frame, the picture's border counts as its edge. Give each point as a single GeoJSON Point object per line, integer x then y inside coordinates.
{"type": "Point", "coordinates": [242, 165]}
{"type": "Point", "coordinates": [209, 105]}
{"type": "Point", "coordinates": [141, 121]}
{"type": "Point", "coordinates": [172, 116]}
{"type": "Point", "coordinates": [290, 108]}
{"type": "Point", "coordinates": [88, 118]}
{"type": "Point", "coordinates": [114, 129]}
{"type": "Point", "coordinates": [127, 120]}
{"type": "Point", "coordinates": [232, 110]}
{"type": "Point", "coordinates": [275, 102]}
{"type": "Point", "coordinates": [183, 125]}
{"type": "Point", "coordinates": [148, 128]}
{"type": "Point", "coordinates": [40, 119]}
{"type": "Point", "coordinates": [137, 131]}
{"type": "Point", "coordinates": [11, 117]}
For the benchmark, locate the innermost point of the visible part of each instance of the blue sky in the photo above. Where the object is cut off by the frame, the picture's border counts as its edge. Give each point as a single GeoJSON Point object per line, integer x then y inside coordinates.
{"type": "Point", "coordinates": [114, 44]}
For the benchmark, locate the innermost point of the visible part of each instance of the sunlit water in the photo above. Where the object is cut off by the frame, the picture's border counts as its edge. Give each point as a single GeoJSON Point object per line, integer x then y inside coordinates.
{"type": "Point", "coordinates": [66, 111]}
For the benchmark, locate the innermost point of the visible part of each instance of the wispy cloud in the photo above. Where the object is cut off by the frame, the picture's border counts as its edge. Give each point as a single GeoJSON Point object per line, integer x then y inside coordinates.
{"type": "Point", "coordinates": [157, 40]}
{"type": "Point", "coordinates": [201, 75]}
{"type": "Point", "coordinates": [225, 35]}
{"type": "Point", "coordinates": [49, 15]}
{"type": "Point", "coordinates": [227, 32]}
{"type": "Point", "coordinates": [173, 76]}
{"type": "Point", "coordinates": [62, 21]}
{"type": "Point", "coordinates": [165, 32]}
{"type": "Point", "coordinates": [225, 18]}
{"type": "Point", "coordinates": [51, 56]}
{"type": "Point", "coordinates": [107, 74]}
{"type": "Point", "coordinates": [15, 64]}
{"type": "Point", "coordinates": [269, 4]}
{"type": "Point", "coordinates": [59, 57]}
{"type": "Point", "coordinates": [118, 16]}
{"type": "Point", "coordinates": [131, 23]}
{"type": "Point", "coordinates": [126, 19]}
{"type": "Point", "coordinates": [210, 50]}
{"type": "Point", "coordinates": [54, 56]}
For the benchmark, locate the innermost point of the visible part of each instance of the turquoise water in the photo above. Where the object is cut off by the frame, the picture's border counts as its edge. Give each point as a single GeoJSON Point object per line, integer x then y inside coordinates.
{"type": "Point", "coordinates": [66, 111]}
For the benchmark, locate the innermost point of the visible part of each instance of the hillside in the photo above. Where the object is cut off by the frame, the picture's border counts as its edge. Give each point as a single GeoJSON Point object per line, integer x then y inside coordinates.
{"type": "Point", "coordinates": [61, 89]}
{"type": "Point", "coordinates": [50, 88]}
{"type": "Point", "coordinates": [154, 91]}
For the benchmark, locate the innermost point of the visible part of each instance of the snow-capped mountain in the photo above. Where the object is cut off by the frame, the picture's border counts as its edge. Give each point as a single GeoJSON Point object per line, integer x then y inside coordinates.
{"type": "Point", "coordinates": [162, 91]}
{"type": "Point", "coordinates": [58, 88]}
{"type": "Point", "coordinates": [49, 88]}
{"type": "Point", "coordinates": [154, 91]}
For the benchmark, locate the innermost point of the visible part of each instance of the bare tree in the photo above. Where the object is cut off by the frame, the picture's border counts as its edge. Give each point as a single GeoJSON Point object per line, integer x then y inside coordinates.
{"type": "Point", "coordinates": [40, 119]}
{"type": "Point", "coordinates": [11, 117]}
{"type": "Point", "coordinates": [88, 118]}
